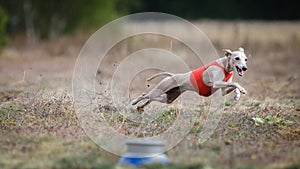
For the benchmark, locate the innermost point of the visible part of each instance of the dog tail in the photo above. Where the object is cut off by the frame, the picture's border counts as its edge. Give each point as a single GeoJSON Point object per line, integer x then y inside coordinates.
{"type": "Point", "coordinates": [159, 74]}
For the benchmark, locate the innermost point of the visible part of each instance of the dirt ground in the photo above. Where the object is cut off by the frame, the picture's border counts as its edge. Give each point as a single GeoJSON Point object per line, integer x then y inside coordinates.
{"type": "Point", "coordinates": [39, 128]}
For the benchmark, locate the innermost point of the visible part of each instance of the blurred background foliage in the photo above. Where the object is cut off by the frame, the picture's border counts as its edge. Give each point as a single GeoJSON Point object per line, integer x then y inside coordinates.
{"type": "Point", "coordinates": [3, 21]}
{"type": "Point", "coordinates": [49, 19]}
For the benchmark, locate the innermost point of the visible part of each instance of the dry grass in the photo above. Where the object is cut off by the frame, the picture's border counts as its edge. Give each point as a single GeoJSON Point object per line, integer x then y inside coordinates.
{"type": "Point", "coordinates": [39, 128]}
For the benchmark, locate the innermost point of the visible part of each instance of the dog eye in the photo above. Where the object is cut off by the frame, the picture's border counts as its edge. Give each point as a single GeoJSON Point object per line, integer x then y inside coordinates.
{"type": "Point", "coordinates": [237, 58]}
{"type": "Point", "coordinates": [246, 60]}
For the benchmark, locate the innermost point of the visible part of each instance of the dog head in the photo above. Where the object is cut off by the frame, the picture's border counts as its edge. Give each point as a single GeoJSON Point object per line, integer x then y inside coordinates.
{"type": "Point", "coordinates": [237, 60]}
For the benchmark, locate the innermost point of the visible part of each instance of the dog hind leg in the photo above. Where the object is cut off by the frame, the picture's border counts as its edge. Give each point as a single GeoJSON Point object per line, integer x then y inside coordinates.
{"type": "Point", "coordinates": [165, 92]}
{"type": "Point", "coordinates": [138, 99]}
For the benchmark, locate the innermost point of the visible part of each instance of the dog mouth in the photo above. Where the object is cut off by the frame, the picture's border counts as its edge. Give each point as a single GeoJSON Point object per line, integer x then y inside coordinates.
{"type": "Point", "coordinates": [239, 71]}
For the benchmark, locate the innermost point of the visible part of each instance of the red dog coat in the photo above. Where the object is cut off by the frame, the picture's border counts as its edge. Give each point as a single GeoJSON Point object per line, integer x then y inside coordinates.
{"type": "Point", "coordinates": [199, 85]}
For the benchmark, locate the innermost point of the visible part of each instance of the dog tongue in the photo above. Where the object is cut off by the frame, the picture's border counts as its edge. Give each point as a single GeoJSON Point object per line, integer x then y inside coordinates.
{"type": "Point", "coordinates": [240, 72]}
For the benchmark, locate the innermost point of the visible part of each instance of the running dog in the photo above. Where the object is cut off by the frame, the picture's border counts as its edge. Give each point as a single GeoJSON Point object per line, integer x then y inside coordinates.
{"type": "Point", "coordinates": [205, 80]}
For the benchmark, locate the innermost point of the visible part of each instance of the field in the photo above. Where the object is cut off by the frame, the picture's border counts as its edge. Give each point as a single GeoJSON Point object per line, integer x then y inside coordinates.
{"type": "Point", "coordinates": [39, 128]}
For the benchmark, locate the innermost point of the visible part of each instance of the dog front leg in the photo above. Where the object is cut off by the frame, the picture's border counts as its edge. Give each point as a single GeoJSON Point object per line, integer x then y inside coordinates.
{"type": "Point", "coordinates": [222, 84]}
{"type": "Point", "coordinates": [228, 90]}
{"type": "Point", "coordinates": [237, 94]}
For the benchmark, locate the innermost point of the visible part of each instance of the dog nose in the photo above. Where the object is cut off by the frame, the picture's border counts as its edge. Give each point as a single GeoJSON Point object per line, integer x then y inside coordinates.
{"type": "Point", "coordinates": [244, 68]}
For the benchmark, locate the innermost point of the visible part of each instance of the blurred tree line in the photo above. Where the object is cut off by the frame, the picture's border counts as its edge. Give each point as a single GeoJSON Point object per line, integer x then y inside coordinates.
{"type": "Point", "coordinates": [47, 19]}
{"type": "Point", "coordinates": [224, 9]}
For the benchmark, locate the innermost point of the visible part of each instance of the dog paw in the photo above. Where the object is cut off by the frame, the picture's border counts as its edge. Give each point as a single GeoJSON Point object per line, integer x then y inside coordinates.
{"type": "Point", "coordinates": [242, 90]}
{"type": "Point", "coordinates": [237, 97]}
{"type": "Point", "coordinates": [140, 109]}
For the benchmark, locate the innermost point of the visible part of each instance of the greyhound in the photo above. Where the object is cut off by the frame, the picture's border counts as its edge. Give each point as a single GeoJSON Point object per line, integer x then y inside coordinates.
{"type": "Point", "coordinates": [205, 80]}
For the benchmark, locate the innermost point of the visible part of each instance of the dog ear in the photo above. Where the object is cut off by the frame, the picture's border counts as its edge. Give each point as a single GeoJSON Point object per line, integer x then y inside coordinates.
{"type": "Point", "coordinates": [241, 49]}
{"type": "Point", "coordinates": [227, 52]}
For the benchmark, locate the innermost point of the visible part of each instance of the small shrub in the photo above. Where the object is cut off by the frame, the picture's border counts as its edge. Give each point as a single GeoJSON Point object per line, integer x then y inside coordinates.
{"type": "Point", "coordinates": [271, 119]}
